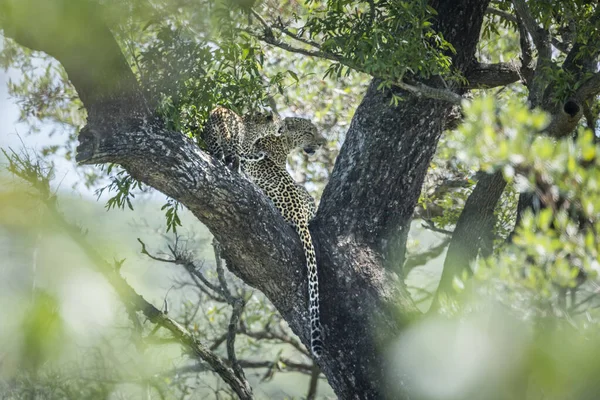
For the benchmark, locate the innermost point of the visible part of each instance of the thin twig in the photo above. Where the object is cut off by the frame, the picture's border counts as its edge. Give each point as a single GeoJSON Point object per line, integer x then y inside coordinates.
{"type": "Point", "coordinates": [189, 265]}
{"type": "Point", "coordinates": [270, 335]}
{"type": "Point", "coordinates": [237, 305]}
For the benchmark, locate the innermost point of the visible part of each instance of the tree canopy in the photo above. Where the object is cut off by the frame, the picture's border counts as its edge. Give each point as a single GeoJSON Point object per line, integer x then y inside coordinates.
{"type": "Point", "coordinates": [458, 195]}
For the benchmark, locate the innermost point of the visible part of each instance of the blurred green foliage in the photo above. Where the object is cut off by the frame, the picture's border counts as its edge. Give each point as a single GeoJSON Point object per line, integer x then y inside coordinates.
{"type": "Point", "coordinates": [523, 327]}
{"type": "Point", "coordinates": [386, 39]}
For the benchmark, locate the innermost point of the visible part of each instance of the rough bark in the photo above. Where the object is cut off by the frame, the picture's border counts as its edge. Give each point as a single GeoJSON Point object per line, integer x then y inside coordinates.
{"type": "Point", "coordinates": [475, 223]}
{"type": "Point", "coordinates": [360, 230]}
{"type": "Point", "coordinates": [486, 76]}
{"type": "Point", "coordinates": [378, 175]}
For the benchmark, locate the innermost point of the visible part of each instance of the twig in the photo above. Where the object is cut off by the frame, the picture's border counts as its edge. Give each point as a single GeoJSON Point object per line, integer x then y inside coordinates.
{"type": "Point", "coordinates": [431, 226]}
{"type": "Point", "coordinates": [237, 305]}
{"type": "Point", "coordinates": [218, 341]}
{"type": "Point", "coordinates": [287, 32]}
{"type": "Point", "coordinates": [270, 335]}
{"type": "Point", "coordinates": [590, 297]}
{"type": "Point", "coordinates": [189, 265]}
{"type": "Point", "coordinates": [236, 312]}
{"type": "Point", "coordinates": [289, 364]}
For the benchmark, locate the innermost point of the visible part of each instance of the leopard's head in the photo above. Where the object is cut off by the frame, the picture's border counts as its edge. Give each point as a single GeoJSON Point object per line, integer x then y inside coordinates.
{"type": "Point", "coordinates": [260, 124]}
{"type": "Point", "coordinates": [302, 133]}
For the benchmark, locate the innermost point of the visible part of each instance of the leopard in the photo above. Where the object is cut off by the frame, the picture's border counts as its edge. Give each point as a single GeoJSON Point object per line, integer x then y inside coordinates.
{"type": "Point", "coordinates": [295, 133]}
{"type": "Point", "coordinates": [261, 143]}
{"type": "Point", "coordinates": [292, 200]}
{"type": "Point", "coordinates": [230, 137]}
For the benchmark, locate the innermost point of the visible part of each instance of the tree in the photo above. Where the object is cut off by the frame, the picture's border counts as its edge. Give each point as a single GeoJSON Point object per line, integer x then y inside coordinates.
{"type": "Point", "coordinates": [422, 60]}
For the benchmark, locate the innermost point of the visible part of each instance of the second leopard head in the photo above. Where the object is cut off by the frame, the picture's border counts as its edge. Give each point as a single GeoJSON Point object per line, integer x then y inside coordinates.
{"type": "Point", "coordinates": [301, 132]}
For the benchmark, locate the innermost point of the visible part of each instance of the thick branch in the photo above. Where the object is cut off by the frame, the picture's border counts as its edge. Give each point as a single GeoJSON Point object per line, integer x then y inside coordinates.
{"type": "Point", "coordinates": [541, 39]}
{"type": "Point", "coordinates": [566, 115]}
{"type": "Point", "coordinates": [87, 50]}
{"type": "Point", "coordinates": [423, 258]}
{"type": "Point", "coordinates": [486, 76]}
{"type": "Point", "coordinates": [589, 89]}
{"type": "Point", "coordinates": [475, 223]}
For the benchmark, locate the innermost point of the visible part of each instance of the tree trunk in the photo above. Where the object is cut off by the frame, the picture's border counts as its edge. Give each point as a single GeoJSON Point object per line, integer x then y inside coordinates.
{"type": "Point", "coordinates": [360, 229]}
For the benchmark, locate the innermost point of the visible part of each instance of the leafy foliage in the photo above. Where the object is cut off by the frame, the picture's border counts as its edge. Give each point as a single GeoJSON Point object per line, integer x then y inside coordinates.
{"type": "Point", "coordinates": [191, 77]}
{"type": "Point", "coordinates": [123, 184]}
{"type": "Point", "coordinates": [386, 39]}
{"type": "Point", "coordinates": [556, 248]}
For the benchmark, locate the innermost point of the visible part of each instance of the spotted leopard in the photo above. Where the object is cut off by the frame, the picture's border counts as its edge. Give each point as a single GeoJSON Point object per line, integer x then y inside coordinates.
{"type": "Point", "coordinates": [292, 200]}
{"type": "Point", "coordinates": [295, 133]}
{"type": "Point", "coordinates": [229, 137]}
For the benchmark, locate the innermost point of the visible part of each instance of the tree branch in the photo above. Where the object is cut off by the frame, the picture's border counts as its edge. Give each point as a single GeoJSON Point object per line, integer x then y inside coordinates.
{"type": "Point", "coordinates": [541, 40]}
{"type": "Point", "coordinates": [589, 89]}
{"type": "Point", "coordinates": [128, 296]}
{"type": "Point", "coordinates": [314, 381]}
{"type": "Point", "coordinates": [424, 257]}
{"type": "Point", "coordinates": [190, 267]}
{"type": "Point", "coordinates": [268, 334]}
{"type": "Point", "coordinates": [501, 13]}
{"type": "Point", "coordinates": [416, 88]}
{"type": "Point", "coordinates": [476, 221]}
{"type": "Point", "coordinates": [237, 307]}
{"type": "Point", "coordinates": [486, 76]}
{"type": "Point", "coordinates": [37, 24]}
{"type": "Point", "coordinates": [539, 35]}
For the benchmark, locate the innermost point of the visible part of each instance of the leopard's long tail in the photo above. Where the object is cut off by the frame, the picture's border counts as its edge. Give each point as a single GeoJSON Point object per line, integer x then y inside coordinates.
{"type": "Point", "coordinates": [316, 336]}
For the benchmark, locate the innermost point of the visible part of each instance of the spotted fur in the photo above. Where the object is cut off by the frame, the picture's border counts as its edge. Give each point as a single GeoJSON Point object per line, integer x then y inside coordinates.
{"type": "Point", "coordinates": [229, 137]}
{"type": "Point", "coordinates": [262, 143]}
{"type": "Point", "coordinates": [293, 133]}
{"type": "Point", "coordinates": [292, 200]}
